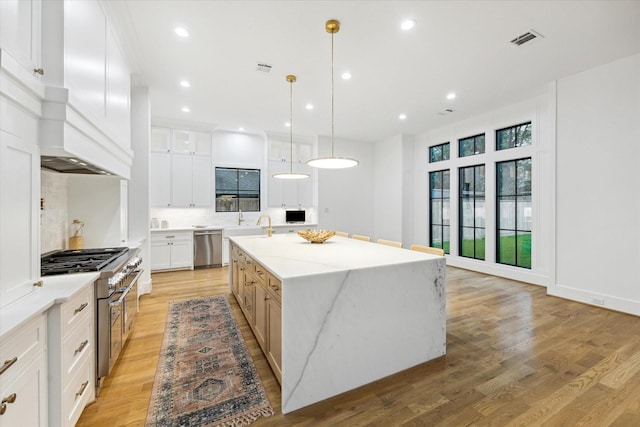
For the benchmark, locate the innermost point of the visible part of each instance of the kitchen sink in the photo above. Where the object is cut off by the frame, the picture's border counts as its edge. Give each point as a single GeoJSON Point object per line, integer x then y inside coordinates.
{"type": "Point", "coordinates": [243, 230]}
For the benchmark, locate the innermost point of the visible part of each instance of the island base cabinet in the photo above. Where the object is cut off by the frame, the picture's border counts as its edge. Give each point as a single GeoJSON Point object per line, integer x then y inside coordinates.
{"type": "Point", "coordinates": [258, 294]}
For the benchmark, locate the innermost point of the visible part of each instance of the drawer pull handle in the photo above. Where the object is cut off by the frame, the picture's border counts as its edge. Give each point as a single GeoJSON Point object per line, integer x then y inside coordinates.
{"type": "Point", "coordinates": [169, 237]}
{"type": "Point", "coordinates": [82, 346]}
{"type": "Point", "coordinates": [38, 284]}
{"type": "Point", "coordinates": [79, 309]}
{"type": "Point", "coordinates": [82, 388]}
{"type": "Point", "coordinates": [10, 399]}
{"type": "Point", "coordinates": [7, 364]}
{"type": "Point", "coordinates": [3, 408]}
{"type": "Point", "coordinates": [260, 272]}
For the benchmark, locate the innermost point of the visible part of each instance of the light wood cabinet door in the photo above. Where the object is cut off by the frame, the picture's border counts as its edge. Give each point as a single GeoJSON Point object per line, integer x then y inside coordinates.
{"type": "Point", "coordinates": [274, 341]}
{"type": "Point", "coordinates": [262, 299]}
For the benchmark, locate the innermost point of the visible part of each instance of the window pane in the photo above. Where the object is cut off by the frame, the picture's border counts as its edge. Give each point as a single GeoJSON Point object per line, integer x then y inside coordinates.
{"type": "Point", "coordinates": [445, 211]}
{"type": "Point", "coordinates": [446, 239]}
{"type": "Point", "coordinates": [436, 211]}
{"type": "Point", "coordinates": [524, 176]}
{"type": "Point", "coordinates": [506, 176]}
{"type": "Point", "coordinates": [479, 243]}
{"type": "Point", "coordinates": [436, 184]}
{"type": "Point", "coordinates": [466, 182]}
{"type": "Point", "coordinates": [515, 136]}
{"type": "Point", "coordinates": [435, 154]}
{"type": "Point", "coordinates": [226, 203]}
{"type": "Point", "coordinates": [479, 144]}
{"type": "Point", "coordinates": [467, 246]}
{"type": "Point", "coordinates": [466, 212]}
{"type": "Point", "coordinates": [445, 183]}
{"type": "Point", "coordinates": [523, 135]}
{"type": "Point", "coordinates": [479, 180]}
{"type": "Point", "coordinates": [525, 213]}
{"type": "Point", "coordinates": [226, 179]}
{"type": "Point", "coordinates": [480, 212]}
{"type": "Point", "coordinates": [507, 247]}
{"type": "Point", "coordinates": [524, 250]}
{"type": "Point", "coordinates": [249, 180]}
{"type": "Point", "coordinates": [445, 151]}
{"type": "Point", "coordinates": [507, 213]}
{"type": "Point", "coordinates": [436, 236]}
{"type": "Point", "coordinates": [466, 147]}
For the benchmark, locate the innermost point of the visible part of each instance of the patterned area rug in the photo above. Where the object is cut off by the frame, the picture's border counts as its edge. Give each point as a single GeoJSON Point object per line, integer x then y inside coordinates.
{"type": "Point", "coordinates": [205, 375]}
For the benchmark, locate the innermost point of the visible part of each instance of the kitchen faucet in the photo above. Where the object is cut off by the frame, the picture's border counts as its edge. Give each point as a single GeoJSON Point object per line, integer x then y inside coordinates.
{"type": "Point", "coordinates": [240, 219]}
{"type": "Point", "coordinates": [269, 229]}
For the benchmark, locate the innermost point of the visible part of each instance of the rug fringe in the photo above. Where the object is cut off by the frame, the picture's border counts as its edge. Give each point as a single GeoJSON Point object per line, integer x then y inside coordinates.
{"type": "Point", "coordinates": [246, 419]}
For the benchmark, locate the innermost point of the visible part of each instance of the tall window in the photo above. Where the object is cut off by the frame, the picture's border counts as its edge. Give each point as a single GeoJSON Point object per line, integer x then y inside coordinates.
{"type": "Point", "coordinates": [472, 212]}
{"type": "Point", "coordinates": [439, 210]}
{"type": "Point", "coordinates": [471, 146]}
{"type": "Point", "coordinates": [514, 212]}
{"type": "Point", "coordinates": [514, 136]}
{"type": "Point", "coordinates": [438, 153]}
{"type": "Point", "coordinates": [237, 189]}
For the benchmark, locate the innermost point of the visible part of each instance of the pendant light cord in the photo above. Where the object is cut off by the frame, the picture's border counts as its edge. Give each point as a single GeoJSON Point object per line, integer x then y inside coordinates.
{"type": "Point", "coordinates": [332, 103]}
{"type": "Point", "coordinates": [291, 126]}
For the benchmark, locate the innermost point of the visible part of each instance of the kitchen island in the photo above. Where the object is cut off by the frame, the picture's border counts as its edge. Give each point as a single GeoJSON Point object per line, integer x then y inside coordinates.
{"type": "Point", "coordinates": [348, 312]}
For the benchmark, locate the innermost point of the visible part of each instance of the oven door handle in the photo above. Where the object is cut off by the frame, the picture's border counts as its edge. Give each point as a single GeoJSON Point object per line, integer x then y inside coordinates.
{"type": "Point", "coordinates": [137, 273]}
{"type": "Point", "coordinates": [119, 300]}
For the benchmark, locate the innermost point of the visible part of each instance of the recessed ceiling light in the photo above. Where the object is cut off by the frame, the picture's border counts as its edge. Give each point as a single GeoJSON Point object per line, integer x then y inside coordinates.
{"type": "Point", "coordinates": [309, 106]}
{"type": "Point", "coordinates": [181, 31]}
{"type": "Point", "coordinates": [241, 129]}
{"type": "Point", "coordinates": [408, 24]}
{"type": "Point", "coordinates": [186, 109]}
{"type": "Point", "coordinates": [185, 83]}
{"type": "Point", "coordinates": [346, 75]}
{"type": "Point", "coordinates": [287, 124]}
{"type": "Point", "coordinates": [452, 95]}
{"type": "Point", "coordinates": [402, 116]}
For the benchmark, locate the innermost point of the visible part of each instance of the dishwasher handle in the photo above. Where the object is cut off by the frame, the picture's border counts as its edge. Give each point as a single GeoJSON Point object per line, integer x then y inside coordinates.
{"type": "Point", "coordinates": [206, 233]}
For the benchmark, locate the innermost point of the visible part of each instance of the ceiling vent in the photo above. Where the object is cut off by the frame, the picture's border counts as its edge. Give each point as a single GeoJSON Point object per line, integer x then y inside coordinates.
{"type": "Point", "coordinates": [264, 67]}
{"type": "Point", "coordinates": [525, 38]}
{"type": "Point", "coordinates": [445, 112]}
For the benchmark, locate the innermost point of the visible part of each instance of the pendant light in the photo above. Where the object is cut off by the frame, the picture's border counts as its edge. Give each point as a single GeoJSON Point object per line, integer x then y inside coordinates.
{"type": "Point", "coordinates": [332, 26]}
{"type": "Point", "coordinates": [291, 175]}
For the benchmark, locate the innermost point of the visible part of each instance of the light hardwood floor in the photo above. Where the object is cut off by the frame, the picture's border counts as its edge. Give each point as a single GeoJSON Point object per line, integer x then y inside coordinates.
{"type": "Point", "coordinates": [515, 356]}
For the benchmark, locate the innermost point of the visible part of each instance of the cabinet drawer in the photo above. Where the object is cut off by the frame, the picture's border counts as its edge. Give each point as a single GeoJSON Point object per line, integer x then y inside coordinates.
{"type": "Point", "coordinates": [76, 349]}
{"type": "Point", "coordinates": [30, 406]}
{"type": "Point", "coordinates": [78, 393]}
{"type": "Point", "coordinates": [172, 236]}
{"type": "Point", "coordinates": [22, 346]}
{"type": "Point", "coordinates": [260, 273]}
{"type": "Point", "coordinates": [77, 309]}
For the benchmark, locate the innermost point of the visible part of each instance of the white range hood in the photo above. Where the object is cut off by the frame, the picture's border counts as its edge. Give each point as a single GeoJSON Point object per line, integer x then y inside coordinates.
{"type": "Point", "coordinates": [67, 134]}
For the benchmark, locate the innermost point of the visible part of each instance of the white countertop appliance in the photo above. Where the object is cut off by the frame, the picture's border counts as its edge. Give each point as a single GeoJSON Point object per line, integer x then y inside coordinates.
{"type": "Point", "coordinates": [115, 290]}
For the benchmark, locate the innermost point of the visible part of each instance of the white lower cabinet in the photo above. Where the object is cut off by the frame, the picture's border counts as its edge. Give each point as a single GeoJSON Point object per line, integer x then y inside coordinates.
{"type": "Point", "coordinates": [71, 337]}
{"type": "Point", "coordinates": [23, 376]}
{"type": "Point", "coordinates": [171, 250]}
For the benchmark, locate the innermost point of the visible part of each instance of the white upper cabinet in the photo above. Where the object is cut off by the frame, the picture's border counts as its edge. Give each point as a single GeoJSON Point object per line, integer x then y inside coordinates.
{"type": "Point", "coordinates": [20, 31]}
{"type": "Point", "coordinates": [19, 217]}
{"type": "Point", "coordinates": [181, 168]}
{"type": "Point", "coordinates": [286, 157]}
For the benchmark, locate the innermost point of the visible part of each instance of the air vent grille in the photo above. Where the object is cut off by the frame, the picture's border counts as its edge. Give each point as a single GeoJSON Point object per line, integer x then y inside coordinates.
{"type": "Point", "coordinates": [264, 67]}
{"type": "Point", "coordinates": [445, 112]}
{"type": "Point", "coordinates": [525, 38]}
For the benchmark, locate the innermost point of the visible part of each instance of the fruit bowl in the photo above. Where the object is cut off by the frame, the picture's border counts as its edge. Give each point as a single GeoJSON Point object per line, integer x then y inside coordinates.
{"type": "Point", "coordinates": [316, 236]}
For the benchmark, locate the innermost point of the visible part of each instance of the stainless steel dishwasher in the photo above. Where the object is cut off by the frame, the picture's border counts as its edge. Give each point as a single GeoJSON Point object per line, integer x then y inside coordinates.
{"type": "Point", "coordinates": [207, 248]}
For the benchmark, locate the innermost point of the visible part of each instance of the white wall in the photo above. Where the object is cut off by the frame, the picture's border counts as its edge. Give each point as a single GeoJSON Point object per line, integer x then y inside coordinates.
{"type": "Point", "coordinates": [598, 186]}
{"type": "Point", "coordinates": [345, 196]}
{"type": "Point", "coordinates": [387, 182]}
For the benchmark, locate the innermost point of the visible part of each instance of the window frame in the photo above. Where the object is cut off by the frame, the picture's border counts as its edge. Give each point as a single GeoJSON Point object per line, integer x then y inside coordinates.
{"type": "Point", "coordinates": [516, 196]}
{"type": "Point", "coordinates": [515, 127]}
{"type": "Point", "coordinates": [475, 139]}
{"type": "Point", "coordinates": [237, 192]}
{"type": "Point", "coordinates": [442, 159]}
{"type": "Point", "coordinates": [475, 227]}
{"type": "Point", "coordinates": [442, 225]}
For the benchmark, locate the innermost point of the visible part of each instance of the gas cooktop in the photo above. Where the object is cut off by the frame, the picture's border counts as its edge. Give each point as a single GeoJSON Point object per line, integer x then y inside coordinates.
{"type": "Point", "coordinates": [78, 260]}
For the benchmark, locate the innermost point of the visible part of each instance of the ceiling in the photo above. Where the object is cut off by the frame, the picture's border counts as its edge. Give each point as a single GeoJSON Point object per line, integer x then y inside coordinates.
{"type": "Point", "coordinates": [456, 46]}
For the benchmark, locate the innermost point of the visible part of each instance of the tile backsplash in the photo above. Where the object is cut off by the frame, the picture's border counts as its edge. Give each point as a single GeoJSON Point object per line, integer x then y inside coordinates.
{"type": "Point", "coordinates": [54, 217]}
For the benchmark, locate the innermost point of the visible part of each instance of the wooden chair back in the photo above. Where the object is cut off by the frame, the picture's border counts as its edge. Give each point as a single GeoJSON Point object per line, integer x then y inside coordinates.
{"type": "Point", "coordinates": [359, 237]}
{"type": "Point", "coordinates": [428, 249]}
{"type": "Point", "coordinates": [389, 243]}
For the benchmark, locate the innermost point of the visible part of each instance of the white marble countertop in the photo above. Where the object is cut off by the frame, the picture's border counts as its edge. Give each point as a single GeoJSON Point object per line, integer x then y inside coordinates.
{"type": "Point", "coordinates": [55, 290]}
{"type": "Point", "coordinates": [222, 227]}
{"type": "Point", "coordinates": [289, 255]}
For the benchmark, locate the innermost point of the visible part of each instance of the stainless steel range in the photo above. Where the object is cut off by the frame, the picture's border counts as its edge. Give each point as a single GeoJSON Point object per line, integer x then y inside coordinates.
{"type": "Point", "coordinates": [116, 295]}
